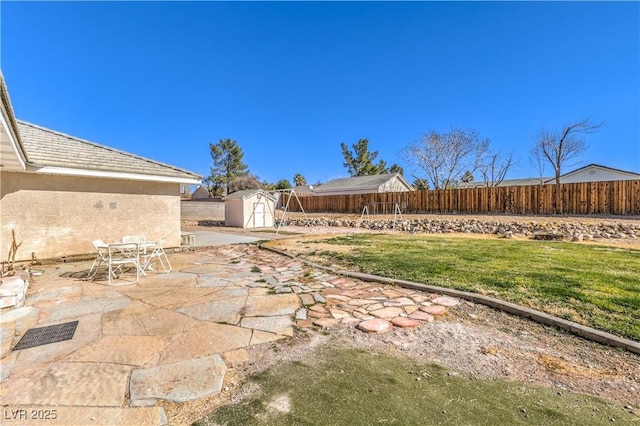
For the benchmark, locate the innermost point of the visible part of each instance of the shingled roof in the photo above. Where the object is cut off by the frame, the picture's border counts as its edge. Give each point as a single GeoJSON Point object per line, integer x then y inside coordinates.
{"type": "Point", "coordinates": [248, 193]}
{"type": "Point", "coordinates": [51, 151]}
{"type": "Point", "coordinates": [359, 183]}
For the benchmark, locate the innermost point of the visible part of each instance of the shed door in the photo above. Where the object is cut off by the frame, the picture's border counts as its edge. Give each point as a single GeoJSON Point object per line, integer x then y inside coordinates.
{"type": "Point", "coordinates": [258, 215]}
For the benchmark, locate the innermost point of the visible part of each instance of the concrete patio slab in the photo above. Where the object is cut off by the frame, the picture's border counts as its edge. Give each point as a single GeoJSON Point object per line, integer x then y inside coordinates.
{"type": "Point", "coordinates": [211, 239]}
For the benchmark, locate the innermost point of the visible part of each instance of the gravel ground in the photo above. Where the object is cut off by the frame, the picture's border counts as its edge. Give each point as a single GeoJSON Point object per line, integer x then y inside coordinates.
{"type": "Point", "coordinates": [481, 342]}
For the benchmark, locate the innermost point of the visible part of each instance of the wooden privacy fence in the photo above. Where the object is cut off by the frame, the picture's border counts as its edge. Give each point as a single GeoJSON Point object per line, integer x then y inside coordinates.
{"type": "Point", "coordinates": [614, 197]}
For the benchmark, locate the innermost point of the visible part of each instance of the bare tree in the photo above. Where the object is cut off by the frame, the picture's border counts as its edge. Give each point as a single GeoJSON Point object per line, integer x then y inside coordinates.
{"type": "Point", "coordinates": [560, 147]}
{"type": "Point", "coordinates": [445, 157]}
{"type": "Point", "coordinates": [495, 168]}
{"type": "Point", "coordinates": [540, 165]}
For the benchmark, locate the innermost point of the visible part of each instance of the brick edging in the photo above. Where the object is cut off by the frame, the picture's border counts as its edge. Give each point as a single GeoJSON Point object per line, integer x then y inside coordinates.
{"type": "Point", "coordinates": [512, 308]}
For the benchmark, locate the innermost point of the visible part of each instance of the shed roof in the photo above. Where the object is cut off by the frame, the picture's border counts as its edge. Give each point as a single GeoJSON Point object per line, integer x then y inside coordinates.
{"type": "Point", "coordinates": [248, 193]}
{"type": "Point", "coordinates": [359, 182]}
{"type": "Point", "coordinates": [54, 152]}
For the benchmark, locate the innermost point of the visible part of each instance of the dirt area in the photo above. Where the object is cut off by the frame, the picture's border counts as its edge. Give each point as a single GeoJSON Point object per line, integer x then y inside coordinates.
{"type": "Point", "coordinates": [482, 342]}
{"type": "Point", "coordinates": [473, 340]}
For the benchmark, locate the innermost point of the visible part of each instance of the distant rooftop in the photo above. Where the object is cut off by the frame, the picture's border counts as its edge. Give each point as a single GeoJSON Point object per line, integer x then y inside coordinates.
{"type": "Point", "coordinates": [357, 182]}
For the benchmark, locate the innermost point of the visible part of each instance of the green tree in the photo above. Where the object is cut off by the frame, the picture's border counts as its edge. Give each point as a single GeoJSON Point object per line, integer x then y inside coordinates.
{"type": "Point", "coordinates": [396, 169]}
{"type": "Point", "coordinates": [421, 184]}
{"type": "Point", "coordinates": [283, 184]}
{"type": "Point", "coordinates": [299, 180]}
{"type": "Point", "coordinates": [360, 162]}
{"type": "Point", "coordinates": [467, 177]}
{"type": "Point", "coordinates": [227, 165]}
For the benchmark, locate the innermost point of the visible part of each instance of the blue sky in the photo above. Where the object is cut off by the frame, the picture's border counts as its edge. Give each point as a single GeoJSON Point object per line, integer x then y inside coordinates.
{"type": "Point", "coordinates": [290, 81]}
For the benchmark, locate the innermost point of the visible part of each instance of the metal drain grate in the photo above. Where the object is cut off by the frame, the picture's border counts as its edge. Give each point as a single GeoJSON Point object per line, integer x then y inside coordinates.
{"type": "Point", "coordinates": [45, 335]}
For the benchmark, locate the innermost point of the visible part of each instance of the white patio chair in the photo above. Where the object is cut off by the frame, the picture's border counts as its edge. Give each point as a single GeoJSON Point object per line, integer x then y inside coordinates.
{"type": "Point", "coordinates": [157, 255]}
{"type": "Point", "coordinates": [102, 255]}
{"type": "Point", "coordinates": [121, 255]}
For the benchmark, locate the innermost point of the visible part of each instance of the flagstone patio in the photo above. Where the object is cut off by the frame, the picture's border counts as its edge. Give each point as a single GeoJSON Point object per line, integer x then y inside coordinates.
{"type": "Point", "coordinates": [166, 338]}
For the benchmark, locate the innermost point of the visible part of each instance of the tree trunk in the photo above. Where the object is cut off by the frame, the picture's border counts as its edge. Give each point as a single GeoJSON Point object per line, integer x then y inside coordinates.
{"type": "Point", "coordinates": [558, 204]}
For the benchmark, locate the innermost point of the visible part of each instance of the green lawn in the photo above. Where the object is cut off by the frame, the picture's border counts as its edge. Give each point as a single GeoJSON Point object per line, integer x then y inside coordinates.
{"type": "Point", "coordinates": [593, 285]}
{"type": "Point", "coordinates": [344, 386]}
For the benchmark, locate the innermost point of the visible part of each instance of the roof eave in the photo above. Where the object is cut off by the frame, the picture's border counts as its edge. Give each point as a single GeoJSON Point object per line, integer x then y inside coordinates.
{"type": "Point", "coordinates": [116, 175]}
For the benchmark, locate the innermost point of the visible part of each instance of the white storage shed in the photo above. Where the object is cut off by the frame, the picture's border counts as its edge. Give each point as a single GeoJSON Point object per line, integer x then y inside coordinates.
{"type": "Point", "coordinates": [250, 208]}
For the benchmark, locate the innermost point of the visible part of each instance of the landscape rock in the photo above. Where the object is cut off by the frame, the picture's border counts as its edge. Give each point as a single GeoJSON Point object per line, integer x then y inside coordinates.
{"type": "Point", "coordinates": [421, 316]}
{"type": "Point", "coordinates": [405, 322]}
{"type": "Point", "coordinates": [505, 228]}
{"type": "Point", "coordinates": [445, 301]}
{"type": "Point", "coordinates": [434, 309]}
{"type": "Point", "coordinates": [376, 325]}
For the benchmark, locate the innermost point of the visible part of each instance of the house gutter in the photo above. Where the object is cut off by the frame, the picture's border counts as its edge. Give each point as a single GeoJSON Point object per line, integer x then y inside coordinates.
{"type": "Point", "coordinates": [66, 171]}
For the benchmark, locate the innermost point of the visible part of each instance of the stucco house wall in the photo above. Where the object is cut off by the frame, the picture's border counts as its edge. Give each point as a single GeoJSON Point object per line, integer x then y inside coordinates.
{"type": "Point", "coordinates": [56, 216]}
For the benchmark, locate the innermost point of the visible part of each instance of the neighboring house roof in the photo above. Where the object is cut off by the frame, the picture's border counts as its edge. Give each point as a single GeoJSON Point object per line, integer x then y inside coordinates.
{"type": "Point", "coordinates": [200, 193]}
{"type": "Point", "coordinates": [50, 151]}
{"type": "Point", "coordinates": [360, 183]}
{"type": "Point", "coordinates": [507, 182]}
{"type": "Point", "coordinates": [589, 173]}
{"type": "Point", "coordinates": [303, 189]}
{"type": "Point", "coordinates": [592, 169]}
{"type": "Point", "coordinates": [248, 193]}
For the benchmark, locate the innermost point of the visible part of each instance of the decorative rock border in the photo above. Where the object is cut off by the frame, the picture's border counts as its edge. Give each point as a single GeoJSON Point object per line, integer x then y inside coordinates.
{"type": "Point", "coordinates": [512, 308]}
{"type": "Point", "coordinates": [574, 230]}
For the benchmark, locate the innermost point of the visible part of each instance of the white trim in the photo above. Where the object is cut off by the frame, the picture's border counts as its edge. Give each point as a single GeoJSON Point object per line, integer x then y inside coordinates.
{"type": "Point", "coordinates": [114, 175]}
{"type": "Point", "coordinates": [14, 145]}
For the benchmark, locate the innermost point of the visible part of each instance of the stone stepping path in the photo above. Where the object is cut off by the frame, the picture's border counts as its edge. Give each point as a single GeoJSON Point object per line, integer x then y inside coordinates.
{"type": "Point", "coordinates": [329, 300]}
